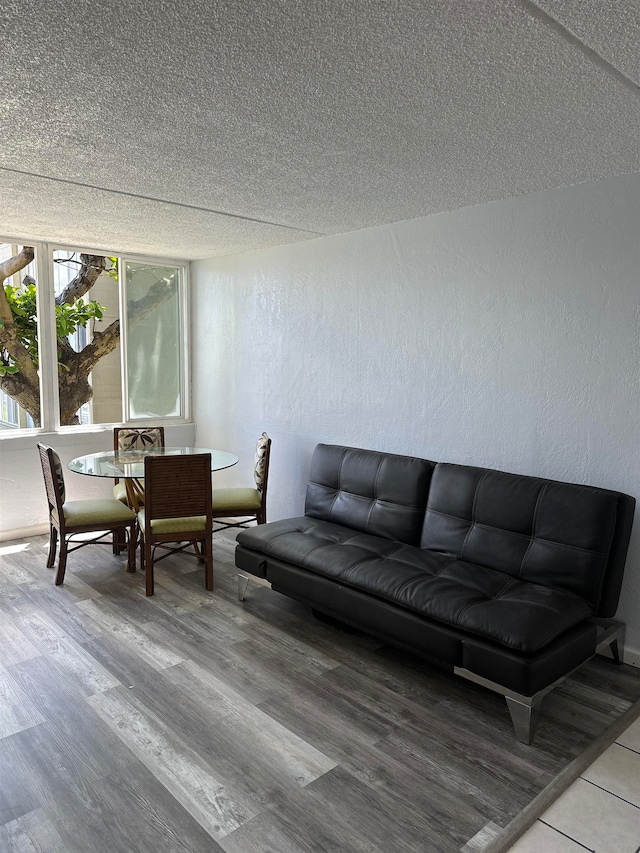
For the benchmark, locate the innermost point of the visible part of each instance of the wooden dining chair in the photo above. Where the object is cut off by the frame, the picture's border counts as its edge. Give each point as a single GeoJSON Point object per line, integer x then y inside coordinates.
{"type": "Point", "coordinates": [246, 503]}
{"type": "Point", "coordinates": [68, 518]}
{"type": "Point", "coordinates": [177, 511]}
{"type": "Point", "coordinates": [135, 438]}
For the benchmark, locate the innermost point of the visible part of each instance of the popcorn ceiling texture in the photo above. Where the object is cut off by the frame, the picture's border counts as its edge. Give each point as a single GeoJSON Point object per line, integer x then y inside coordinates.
{"type": "Point", "coordinates": [217, 128]}
{"type": "Point", "coordinates": [611, 29]}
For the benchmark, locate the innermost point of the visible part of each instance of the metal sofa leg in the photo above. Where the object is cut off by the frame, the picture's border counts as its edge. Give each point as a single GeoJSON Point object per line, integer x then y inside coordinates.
{"type": "Point", "coordinates": [243, 582]}
{"type": "Point", "coordinates": [617, 649]}
{"type": "Point", "coordinates": [524, 716]}
{"type": "Point", "coordinates": [524, 710]}
{"type": "Point", "coordinates": [611, 633]}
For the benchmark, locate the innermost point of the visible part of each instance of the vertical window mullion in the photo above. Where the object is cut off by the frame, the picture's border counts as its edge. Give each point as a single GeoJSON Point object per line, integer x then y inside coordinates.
{"type": "Point", "coordinates": [124, 331]}
{"type": "Point", "coordinates": [47, 341]}
{"type": "Point", "coordinates": [185, 341]}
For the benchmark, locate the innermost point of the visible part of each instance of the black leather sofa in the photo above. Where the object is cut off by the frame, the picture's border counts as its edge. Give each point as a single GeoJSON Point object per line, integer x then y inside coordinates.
{"type": "Point", "coordinates": [509, 580]}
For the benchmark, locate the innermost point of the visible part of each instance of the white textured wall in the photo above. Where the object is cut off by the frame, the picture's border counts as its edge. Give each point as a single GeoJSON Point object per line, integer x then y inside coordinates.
{"type": "Point", "coordinates": [504, 335]}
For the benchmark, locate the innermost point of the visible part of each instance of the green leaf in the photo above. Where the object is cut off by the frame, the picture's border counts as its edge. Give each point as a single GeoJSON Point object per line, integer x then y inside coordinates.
{"type": "Point", "coordinates": [22, 302]}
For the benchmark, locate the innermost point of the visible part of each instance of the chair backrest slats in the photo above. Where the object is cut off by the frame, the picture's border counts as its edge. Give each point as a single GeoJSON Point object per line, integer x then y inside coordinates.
{"type": "Point", "coordinates": [53, 477]}
{"type": "Point", "coordinates": [177, 486]}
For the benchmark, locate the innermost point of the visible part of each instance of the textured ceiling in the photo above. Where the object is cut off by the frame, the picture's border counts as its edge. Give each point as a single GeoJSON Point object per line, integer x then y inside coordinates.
{"type": "Point", "coordinates": [196, 129]}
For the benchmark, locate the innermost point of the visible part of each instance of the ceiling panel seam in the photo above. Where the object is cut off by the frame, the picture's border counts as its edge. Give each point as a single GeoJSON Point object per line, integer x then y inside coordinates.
{"type": "Point", "coordinates": [160, 201]}
{"type": "Point", "coordinates": [591, 54]}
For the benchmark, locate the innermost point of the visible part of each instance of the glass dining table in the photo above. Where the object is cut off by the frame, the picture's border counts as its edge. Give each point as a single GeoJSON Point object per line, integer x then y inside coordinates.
{"type": "Point", "coordinates": [128, 465]}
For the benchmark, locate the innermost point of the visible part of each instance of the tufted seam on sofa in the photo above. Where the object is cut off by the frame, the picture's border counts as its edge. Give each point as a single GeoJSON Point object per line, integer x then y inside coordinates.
{"type": "Point", "coordinates": [335, 541]}
{"type": "Point", "coordinates": [511, 582]}
{"type": "Point", "coordinates": [475, 588]}
{"type": "Point", "coordinates": [557, 611]}
{"type": "Point", "coordinates": [304, 532]}
{"type": "Point", "coordinates": [335, 497]}
{"type": "Point", "coordinates": [365, 498]}
{"type": "Point", "coordinates": [435, 574]}
{"type": "Point", "coordinates": [522, 535]}
{"type": "Point", "coordinates": [533, 537]}
{"type": "Point", "coordinates": [468, 607]}
{"type": "Point", "coordinates": [472, 521]}
{"type": "Point", "coordinates": [369, 558]}
{"type": "Point", "coordinates": [421, 577]}
{"type": "Point", "coordinates": [388, 556]}
{"type": "Point", "coordinates": [364, 547]}
{"type": "Point", "coordinates": [307, 531]}
{"type": "Point", "coordinates": [375, 495]}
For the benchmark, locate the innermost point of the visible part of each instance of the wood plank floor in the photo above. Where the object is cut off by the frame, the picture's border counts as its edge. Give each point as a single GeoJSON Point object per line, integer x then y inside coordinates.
{"type": "Point", "coordinates": [192, 722]}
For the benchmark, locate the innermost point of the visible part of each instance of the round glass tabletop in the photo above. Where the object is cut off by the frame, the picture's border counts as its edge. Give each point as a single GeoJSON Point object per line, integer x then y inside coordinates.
{"type": "Point", "coordinates": [130, 463]}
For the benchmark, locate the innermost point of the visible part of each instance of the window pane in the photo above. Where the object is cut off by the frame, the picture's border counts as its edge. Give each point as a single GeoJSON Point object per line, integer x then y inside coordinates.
{"type": "Point", "coordinates": [154, 365]}
{"type": "Point", "coordinates": [20, 388]}
{"type": "Point", "coordinates": [87, 315]}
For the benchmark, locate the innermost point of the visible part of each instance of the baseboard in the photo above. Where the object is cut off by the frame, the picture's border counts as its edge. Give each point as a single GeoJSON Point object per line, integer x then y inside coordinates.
{"type": "Point", "coordinates": [631, 656]}
{"type": "Point", "coordinates": [24, 532]}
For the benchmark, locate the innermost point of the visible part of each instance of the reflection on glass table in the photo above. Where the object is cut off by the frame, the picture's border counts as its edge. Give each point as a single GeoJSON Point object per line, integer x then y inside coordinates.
{"type": "Point", "coordinates": [129, 466]}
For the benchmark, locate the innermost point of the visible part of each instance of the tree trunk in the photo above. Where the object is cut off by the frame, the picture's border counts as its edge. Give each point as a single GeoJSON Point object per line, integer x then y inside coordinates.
{"type": "Point", "coordinates": [11, 346]}
{"type": "Point", "coordinates": [74, 392]}
{"type": "Point", "coordinates": [25, 393]}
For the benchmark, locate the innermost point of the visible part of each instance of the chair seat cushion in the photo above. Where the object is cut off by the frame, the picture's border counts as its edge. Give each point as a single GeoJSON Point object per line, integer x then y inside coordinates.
{"type": "Point", "coordinates": [236, 499]}
{"type": "Point", "coordinates": [95, 511]}
{"type": "Point", "coordinates": [184, 524]}
{"type": "Point", "coordinates": [482, 601]}
{"type": "Point", "coordinates": [120, 492]}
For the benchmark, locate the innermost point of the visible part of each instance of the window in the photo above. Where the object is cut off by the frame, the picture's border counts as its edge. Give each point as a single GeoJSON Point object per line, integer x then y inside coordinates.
{"type": "Point", "coordinates": [9, 412]}
{"type": "Point", "coordinates": [106, 336]}
{"type": "Point", "coordinates": [153, 341]}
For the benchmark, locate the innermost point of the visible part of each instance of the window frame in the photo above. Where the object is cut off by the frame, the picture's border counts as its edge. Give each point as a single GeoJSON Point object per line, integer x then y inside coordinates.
{"type": "Point", "coordinates": [185, 326]}
{"type": "Point", "coordinates": [47, 355]}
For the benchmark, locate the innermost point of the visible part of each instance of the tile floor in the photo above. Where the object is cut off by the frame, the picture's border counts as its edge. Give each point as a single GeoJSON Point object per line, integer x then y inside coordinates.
{"type": "Point", "coordinates": [600, 811]}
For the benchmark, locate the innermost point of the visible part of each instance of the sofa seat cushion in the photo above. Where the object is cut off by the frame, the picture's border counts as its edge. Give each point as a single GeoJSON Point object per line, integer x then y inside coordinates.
{"type": "Point", "coordinates": [485, 602]}
{"type": "Point", "coordinates": [527, 674]}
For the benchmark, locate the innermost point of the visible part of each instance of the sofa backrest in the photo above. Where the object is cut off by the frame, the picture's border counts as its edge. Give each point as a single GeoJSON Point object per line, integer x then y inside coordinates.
{"type": "Point", "coordinates": [559, 535]}
{"type": "Point", "coordinates": [383, 494]}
